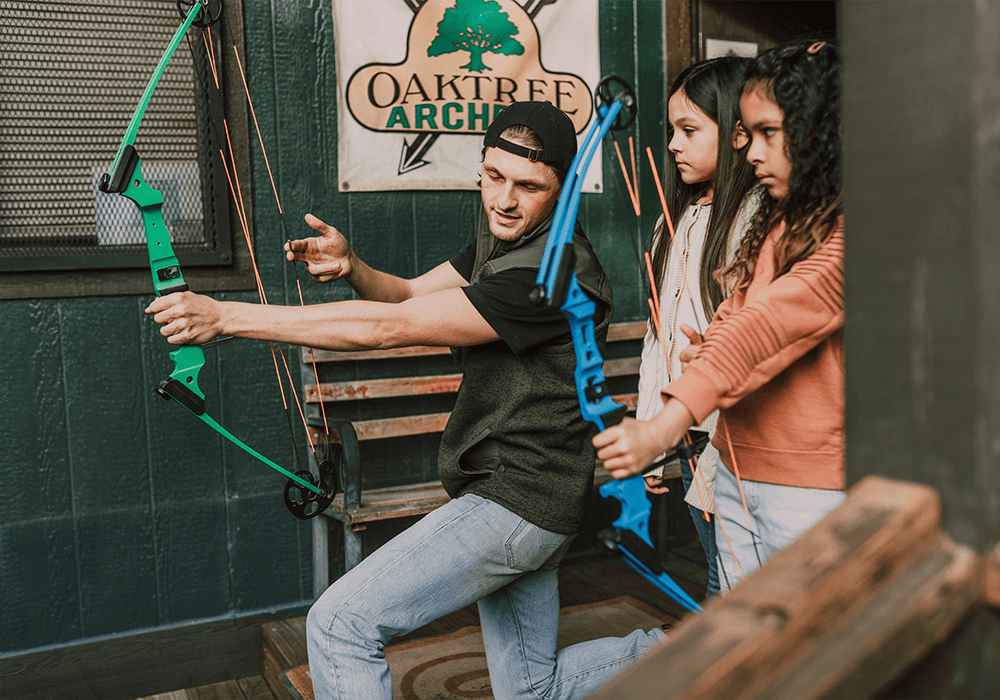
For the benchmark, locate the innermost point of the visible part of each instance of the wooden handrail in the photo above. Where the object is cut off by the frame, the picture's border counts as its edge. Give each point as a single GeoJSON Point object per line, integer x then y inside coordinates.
{"type": "Point", "coordinates": [842, 612]}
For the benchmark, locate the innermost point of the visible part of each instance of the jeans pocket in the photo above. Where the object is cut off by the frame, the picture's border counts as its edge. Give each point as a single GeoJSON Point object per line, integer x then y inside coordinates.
{"type": "Point", "coordinates": [529, 546]}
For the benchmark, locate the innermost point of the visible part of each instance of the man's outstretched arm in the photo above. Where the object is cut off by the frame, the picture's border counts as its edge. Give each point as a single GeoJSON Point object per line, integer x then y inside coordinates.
{"type": "Point", "coordinates": [444, 317]}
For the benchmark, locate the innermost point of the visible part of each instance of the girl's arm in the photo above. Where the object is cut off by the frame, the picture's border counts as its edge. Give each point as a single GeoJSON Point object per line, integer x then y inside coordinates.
{"type": "Point", "coordinates": [745, 349]}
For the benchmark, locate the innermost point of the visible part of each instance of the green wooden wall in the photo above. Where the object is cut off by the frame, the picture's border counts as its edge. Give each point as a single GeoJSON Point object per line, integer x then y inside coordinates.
{"type": "Point", "coordinates": [120, 512]}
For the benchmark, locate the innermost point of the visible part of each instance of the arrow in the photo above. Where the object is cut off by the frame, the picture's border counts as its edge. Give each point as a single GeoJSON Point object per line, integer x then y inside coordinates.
{"type": "Point", "coordinates": [412, 155]}
{"type": "Point", "coordinates": [538, 5]}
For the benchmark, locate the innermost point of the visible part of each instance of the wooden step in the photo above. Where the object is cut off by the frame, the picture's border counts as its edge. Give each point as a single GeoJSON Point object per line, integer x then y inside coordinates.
{"type": "Point", "coordinates": [253, 688]}
{"type": "Point", "coordinates": [283, 646]}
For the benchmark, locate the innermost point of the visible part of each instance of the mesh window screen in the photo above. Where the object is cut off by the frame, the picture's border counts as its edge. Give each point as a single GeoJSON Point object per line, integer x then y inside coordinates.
{"type": "Point", "coordinates": [71, 74]}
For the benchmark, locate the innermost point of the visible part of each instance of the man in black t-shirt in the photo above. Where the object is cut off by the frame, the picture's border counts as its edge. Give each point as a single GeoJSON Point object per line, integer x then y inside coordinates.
{"type": "Point", "coordinates": [516, 455]}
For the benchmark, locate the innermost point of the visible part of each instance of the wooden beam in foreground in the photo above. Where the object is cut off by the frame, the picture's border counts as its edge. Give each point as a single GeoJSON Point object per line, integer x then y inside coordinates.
{"type": "Point", "coordinates": [991, 577]}
{"type": "Point", "coordinates": [842, 612]}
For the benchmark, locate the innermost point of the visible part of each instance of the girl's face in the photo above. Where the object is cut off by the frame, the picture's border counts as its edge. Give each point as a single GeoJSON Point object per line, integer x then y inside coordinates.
{"type": "Point", "coordinates": [762, 119]}
{"type": "Point", "coordinates": [695, 143]}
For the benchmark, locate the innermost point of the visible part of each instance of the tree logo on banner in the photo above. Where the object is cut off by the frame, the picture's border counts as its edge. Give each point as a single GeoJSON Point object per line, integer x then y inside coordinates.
{"type": "Point", "coordinates": [476, 26]}
{"type": "Point", "coordinates": [466, 60]}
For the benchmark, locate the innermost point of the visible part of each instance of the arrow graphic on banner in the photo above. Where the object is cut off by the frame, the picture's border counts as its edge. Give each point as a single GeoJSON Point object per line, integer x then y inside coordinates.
{"type": "Point", "coordinates": [412, 156]}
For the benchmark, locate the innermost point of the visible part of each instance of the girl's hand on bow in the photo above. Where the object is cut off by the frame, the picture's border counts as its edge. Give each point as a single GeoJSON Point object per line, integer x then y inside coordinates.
{"type": "Point", "coordinates": [632, 445]}
{"type": "Point", "coordinates": [187, 318]}
{"type": "Point", "coordinates": [327, 256]}
{"type": "Point", "coordinates": [656, 484]}
{"type": "Point", "coordinates": [694, 349]}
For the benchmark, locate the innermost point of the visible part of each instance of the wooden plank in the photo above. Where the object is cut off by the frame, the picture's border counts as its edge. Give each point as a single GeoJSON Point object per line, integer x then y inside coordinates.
{"type": "Point", "coordinates": [878, 568]}
{"type": "Point", "coordinates": [252, 688]}
{"type": "Point", "coordinates": [283, 646]}
{"type": "Point", "coordinates": [423, 385]}
{"type": "Point", "coordinates": [869, 646]}
{"type": "Point", "coordinates": [223, 690]}
{"type": "Point", "coordinates": [991, 577]}
{"type": "Point", "coordinates": [388, 353]}
{"type": "Point", "coordinates": [255, 688]}
{"type": "Point", "coordinates": [286, 639]}
{"type": "Point", "coordinates": [131, 666]}
{"type": "Point", "coordinates": [628, 330]}
{"type": "Point", "coordinates": [399, 427]}
{"type": "Point", "coordinates": [172, 695]}
{"type": "Point", "coordinates": [622, 367]}
{"type": "Point", "coordinates": [271, 669]}
{"type": "Point", "coordinates": [419, 499]}
{"type": "Point", "coordinates": [383, 388]}
{"type": "Point", "coordinates": [381, 428]}
{"type": "Point", "coordinates": [379, 512]}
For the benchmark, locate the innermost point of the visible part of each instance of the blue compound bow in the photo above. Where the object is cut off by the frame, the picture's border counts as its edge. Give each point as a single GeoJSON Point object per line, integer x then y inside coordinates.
{"type": "Point", "coordinates": [557, 287]}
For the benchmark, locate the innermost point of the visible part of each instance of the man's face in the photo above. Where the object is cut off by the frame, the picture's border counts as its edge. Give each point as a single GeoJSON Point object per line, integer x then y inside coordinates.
{"type": "Point", "coordinates": [517, 193]}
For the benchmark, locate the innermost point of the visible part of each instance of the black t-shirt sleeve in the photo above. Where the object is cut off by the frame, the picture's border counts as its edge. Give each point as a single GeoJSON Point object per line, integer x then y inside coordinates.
{"type": "Point", "coordinates": [465, 261]}
{"type": "Point", "coordinates": [502, 299]}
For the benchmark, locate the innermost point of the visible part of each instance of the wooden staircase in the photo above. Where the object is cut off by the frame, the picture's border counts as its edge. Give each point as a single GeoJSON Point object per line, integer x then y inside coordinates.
{"type": "Point", "coordinates": [283, 647]}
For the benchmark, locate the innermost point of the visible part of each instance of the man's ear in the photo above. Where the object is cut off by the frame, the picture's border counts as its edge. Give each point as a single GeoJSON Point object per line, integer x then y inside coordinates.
{"type": "Point", "coordinates": [740, 138]}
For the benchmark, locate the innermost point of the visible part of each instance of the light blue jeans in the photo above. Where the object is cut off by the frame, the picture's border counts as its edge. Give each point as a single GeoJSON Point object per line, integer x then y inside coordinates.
{"type": "Point", "coordinates": [706, 533]}
{"type": "Point", "coordinates": [779, 514]}
{"type": "Point", "coordinates": [470, 549]}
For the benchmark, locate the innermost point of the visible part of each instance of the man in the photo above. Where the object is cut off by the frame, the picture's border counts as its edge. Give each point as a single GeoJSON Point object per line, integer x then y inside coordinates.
{"type": "Point", "coordinates": [515, 457]}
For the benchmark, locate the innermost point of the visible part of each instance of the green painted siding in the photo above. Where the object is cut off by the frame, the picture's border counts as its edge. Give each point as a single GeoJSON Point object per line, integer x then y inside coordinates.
{"type": "Point", "coordinates": [119, 511]}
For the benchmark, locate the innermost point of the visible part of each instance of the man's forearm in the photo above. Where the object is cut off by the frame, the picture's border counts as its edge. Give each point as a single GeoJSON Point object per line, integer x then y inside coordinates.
{"type": "Point", "coordinates": [342, 325]}
{"type": "Point", "coordinates": [375, 285]}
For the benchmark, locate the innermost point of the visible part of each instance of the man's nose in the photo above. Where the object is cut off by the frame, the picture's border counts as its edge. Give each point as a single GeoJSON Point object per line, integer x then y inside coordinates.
{"type": "Point", "coordinates": [507, 199]}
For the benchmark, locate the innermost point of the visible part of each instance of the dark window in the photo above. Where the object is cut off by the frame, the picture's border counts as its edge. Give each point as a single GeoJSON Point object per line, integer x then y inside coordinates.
{"type": "Point", "coordinates": [71, 75]}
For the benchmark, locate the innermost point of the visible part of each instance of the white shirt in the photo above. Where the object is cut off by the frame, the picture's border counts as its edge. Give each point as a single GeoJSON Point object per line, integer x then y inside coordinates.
{"type": "Point", "coordinates": [680, 302]}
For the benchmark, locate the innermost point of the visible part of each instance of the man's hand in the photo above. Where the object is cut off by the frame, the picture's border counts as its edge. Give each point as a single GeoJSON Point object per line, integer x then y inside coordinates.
{"type": "Point", "coordinates": [632, 445]}
{"type": "Point", "coordinates": [187, 318]}
{"type": "Point", "coordinates": [327, 256]}
{"type": "Point", "coordinates": [693, 350]}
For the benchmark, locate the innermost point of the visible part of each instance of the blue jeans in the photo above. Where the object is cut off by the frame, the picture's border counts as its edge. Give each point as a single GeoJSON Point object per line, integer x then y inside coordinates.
{"type": "Point", "coordinates": [470, 549]}
{"type": "Point", "coordinates": [779, 514]}
{"type": "Point", "coordinates": [705, 530]}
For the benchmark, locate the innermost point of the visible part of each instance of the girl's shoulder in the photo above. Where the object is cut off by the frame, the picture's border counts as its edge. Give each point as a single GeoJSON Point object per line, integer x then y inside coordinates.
{"type": "Point", "coordinates": [751, 203]}
{"type": "Point", "coordinates": [744, 218]}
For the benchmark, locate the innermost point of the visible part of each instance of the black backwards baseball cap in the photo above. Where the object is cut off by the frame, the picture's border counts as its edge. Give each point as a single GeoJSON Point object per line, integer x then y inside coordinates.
{"type": "Point", "coordinates": [553, 127]}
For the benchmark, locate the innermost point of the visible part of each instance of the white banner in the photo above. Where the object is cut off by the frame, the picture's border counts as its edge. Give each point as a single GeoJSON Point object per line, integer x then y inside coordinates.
{"type": "Point", "coordinates": [419, 81]}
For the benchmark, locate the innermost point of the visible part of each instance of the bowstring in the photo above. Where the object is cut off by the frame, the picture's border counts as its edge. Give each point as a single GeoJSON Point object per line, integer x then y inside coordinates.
{"type": "Point", "coordinates": [236, 192]}
{"type": "Point", "coordinates": [655, 319]}
{"type": "Point", "coordinates": [288, 239]}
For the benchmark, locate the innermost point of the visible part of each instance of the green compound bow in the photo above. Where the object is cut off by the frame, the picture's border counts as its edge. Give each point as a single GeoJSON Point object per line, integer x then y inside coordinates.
{"type": "Point", "coordinates": [126, 179]}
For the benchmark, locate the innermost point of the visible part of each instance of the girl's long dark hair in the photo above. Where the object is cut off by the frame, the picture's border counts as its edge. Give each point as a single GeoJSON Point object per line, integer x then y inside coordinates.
{"type": "Point", "coordinates": [714, 87]}
{"type": "Point", "coordinates": [802, 77]}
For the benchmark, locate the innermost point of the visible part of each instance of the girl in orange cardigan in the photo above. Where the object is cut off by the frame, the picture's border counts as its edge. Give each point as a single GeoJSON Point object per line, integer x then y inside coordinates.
{"type": "Point", "coordinates": [772, 357]}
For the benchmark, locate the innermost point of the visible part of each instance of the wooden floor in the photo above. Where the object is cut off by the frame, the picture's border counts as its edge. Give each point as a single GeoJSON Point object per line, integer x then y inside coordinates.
{"type": "Point", "coordinates": [582, 580]}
